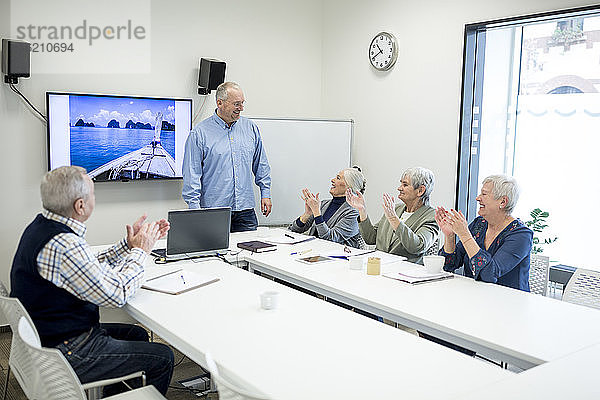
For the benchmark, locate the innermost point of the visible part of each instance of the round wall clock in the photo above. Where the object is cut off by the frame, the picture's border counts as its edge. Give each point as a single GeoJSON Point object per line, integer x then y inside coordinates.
{"type": "Point", "coordinates": [383, 51]}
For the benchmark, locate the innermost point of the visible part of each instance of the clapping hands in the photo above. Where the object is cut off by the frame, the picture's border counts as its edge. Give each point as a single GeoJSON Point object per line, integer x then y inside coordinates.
{"type": "Point", "coordinates": [355, 199]}
{"type": "Point", "coordinates": [145, 234]}
{"type": "Point", "coordinates": [311, 202]}
{"type": "Point", "coordinates": [388, 207]}
{"type": "Point", "coordinates": [452, 222]}
{"type": "Point", "coordinates": [390, 211]}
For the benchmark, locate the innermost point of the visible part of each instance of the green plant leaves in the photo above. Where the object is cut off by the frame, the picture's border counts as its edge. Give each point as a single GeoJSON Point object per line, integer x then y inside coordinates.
{"type": "Point", "coordinates": [537, 223]}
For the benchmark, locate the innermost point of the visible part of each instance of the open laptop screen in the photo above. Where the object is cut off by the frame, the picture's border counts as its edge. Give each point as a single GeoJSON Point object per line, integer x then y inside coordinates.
{"type": "Point", "coordinates": [202, 230]}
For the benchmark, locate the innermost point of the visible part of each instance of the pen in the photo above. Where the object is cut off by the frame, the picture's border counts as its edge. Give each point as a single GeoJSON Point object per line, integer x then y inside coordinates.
{"type": "Point", "coordinates": [300, 252]}
{"type": "Point", "coordinates": [290, 236]}
{"type": "Point", "coordinates": [182, 279]}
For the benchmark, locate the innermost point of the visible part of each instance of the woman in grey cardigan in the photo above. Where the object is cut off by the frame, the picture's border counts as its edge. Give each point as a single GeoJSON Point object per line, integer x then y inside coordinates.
{"type": "Point", "coordinates": [334, 219]}
{"type": "Point", "coordinates": [408, 229]}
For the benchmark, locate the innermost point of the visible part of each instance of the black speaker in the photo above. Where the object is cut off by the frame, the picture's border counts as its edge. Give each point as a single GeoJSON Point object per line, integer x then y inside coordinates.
{"type": "Point", "coordinates": [15, 60]}
{"type": "Point", "coordinates": [212, 74]}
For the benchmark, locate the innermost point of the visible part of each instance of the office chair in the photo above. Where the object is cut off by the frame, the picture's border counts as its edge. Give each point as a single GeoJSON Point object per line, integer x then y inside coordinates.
{"type": "Point", "coordinates": [51, 375]}
{"type": "Point", "coordinates": [433, 249]}
{"type": "Point", "coordinates": [539, 270]}
{"type": "Point", "coordinates": [228, 390]}
{"type": "Point", "coordinates": [13, 311]}
{"type": "Point", "coordinates": [583, 288]}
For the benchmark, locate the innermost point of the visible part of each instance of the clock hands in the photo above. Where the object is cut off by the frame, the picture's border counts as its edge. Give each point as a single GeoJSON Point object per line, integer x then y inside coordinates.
{"type": "Point", "coordinates": [380, 52]}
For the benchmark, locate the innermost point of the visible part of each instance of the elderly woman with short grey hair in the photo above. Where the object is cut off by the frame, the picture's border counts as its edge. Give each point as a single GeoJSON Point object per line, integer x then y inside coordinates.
{"type": "Point", "coordinates": [407, 229]}
{"type": "Point", "coordinates": [333, 219]}
{"type": "Point", "coordinates": [496, 246]}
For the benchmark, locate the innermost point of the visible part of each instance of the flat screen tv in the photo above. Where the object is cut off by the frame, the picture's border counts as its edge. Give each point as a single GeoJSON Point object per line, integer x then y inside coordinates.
{"type": "Point", "coordinates": [118, 138]}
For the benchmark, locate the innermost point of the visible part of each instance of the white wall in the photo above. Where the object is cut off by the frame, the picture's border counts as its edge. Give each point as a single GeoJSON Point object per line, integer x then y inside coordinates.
{"type": "Point", "coordinates": [272, 49]}
{"type": "Point", "coordinates": [408, 116]}
{"type": "Point", "coordinates": [294, 59]}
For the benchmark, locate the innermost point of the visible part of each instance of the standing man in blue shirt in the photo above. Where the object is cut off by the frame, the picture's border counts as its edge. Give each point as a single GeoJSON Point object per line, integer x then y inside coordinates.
{"type": "Point", "coordinates": [221, 155]}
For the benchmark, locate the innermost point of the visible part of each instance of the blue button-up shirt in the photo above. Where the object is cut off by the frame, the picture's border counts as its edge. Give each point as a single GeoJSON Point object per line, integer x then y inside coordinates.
{"type": "Point", "coordinates": [219, 162]}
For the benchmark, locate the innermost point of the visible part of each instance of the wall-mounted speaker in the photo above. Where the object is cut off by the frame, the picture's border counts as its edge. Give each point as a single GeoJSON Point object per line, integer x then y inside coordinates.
{"type": "Point", "coordinates": [212, 74]}
{"type": "Point", "coordinates": [15, 60]}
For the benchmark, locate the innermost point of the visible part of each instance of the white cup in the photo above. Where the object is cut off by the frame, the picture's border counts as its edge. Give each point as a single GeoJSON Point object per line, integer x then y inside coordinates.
{"type": "Point", "coordinates": [262, 231]}
{"type": "Point", "coordinates": [268, 300]}
{"type": "Point", "coordinates": [357, 263]}
{"type": "Point", "coordinates": [434, 264]}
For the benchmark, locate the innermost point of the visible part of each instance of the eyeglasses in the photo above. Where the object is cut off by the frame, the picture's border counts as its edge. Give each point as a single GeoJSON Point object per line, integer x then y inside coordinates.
{"type": "Point", "coordinates": [237, 104]}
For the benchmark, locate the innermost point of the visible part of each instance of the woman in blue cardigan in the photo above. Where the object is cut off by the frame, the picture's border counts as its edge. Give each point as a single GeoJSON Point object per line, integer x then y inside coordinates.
{"type": "Point", "coordinates": [495, 247]}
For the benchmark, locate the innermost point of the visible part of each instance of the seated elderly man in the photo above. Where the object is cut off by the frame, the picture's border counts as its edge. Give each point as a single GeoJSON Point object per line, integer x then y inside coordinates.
{"type": "Point", "coordinates": [408, 229]}
{"type": "Point", "coordinates": [334, 219]}
{"type": "Point", "coordinates": [62, 283]}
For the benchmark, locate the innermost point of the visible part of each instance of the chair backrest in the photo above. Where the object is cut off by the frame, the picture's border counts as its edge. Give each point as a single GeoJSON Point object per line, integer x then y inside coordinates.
{"type": "Point", "coordinates": [50, 373]}
{"type": "Point", "coordinates": [3, 290]}
{"type": "Point", "coordinates": [228, 390]}
{"type": "Point", "coordinates": [433, 249]}
{"type": "Point", "coordinates": [539, 270]}
{"type": "Point", "coordinates": [583, 288]}
{"type": "Point", "coordinates": [13, 311]}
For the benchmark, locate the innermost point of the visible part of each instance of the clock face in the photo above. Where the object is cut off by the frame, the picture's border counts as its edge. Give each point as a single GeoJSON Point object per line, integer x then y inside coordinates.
{"type": "Point", "coordinates": [383, 51]}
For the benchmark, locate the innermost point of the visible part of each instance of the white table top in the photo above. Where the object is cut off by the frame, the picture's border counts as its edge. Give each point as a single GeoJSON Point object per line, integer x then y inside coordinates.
{"type": "Point", "coordinates": [527, 329]}
{"type": "Point", "coordinates": [306, 348]}
{"type": "Point", "coordinates": [572, 377]}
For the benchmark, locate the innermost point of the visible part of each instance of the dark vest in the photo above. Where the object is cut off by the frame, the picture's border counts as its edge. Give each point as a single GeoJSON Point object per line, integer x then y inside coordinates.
{"type": "Point", "coordinates": [57, 314]}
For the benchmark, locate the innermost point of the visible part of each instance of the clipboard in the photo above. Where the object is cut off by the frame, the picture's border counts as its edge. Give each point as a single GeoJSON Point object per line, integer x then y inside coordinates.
{"type": "Point", "coordinates": [178, 282]}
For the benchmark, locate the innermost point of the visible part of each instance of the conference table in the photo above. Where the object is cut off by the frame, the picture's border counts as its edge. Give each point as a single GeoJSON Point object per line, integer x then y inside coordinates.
{"type": "Point", "coordinates": [570, 377]}
{"type": "Point", "coordinates": [306, 348]}
{"type": "Point", "coordinates": [309, 348]}
{"type": "Point", "coordinates": [498, 322]}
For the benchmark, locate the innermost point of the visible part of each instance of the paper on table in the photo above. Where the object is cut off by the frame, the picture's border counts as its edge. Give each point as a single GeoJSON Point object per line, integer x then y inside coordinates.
{"type": "Point", "coordinates": [282, 239]}
{"type": "Point", "coordinates": [417, 275]}
{"type": "Point", "coordinates": [179, 282]}
{"type": "Point", "coordinates": [348, 252]}
{"type": "Point", "coordinates": [387, 258]}
{"type": "Point", "coordinates": [156, 271]}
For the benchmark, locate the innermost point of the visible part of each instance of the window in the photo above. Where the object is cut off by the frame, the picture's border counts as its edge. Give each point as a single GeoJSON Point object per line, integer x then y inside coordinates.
{"type": "Point", "coordinates": [512, 122]}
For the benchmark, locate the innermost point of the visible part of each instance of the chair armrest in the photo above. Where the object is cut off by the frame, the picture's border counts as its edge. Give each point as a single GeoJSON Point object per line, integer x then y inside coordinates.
{"type": "Point", "coordinates": [106, 382]}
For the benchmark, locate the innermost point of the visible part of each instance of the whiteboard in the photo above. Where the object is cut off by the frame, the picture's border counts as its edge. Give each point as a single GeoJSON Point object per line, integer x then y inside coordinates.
{"type": "Point", "coordinates": [303, 153]}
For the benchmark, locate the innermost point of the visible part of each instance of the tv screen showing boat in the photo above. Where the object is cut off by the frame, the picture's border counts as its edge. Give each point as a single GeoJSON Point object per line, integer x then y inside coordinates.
{"type": "Point", "coordinates": [118, 137]}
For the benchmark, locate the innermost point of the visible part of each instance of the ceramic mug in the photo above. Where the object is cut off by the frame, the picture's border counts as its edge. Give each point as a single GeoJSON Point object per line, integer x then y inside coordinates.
{"type": "Point", "coordinates": [269, 300]}
{"type": "Point", "coordinates": [434, 264]}
{"type": "Point", "coordinates": [357, 263]}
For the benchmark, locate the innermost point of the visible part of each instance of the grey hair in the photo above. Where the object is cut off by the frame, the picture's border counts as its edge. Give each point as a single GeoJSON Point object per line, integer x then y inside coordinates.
{"type": "Point", "coordinates": [504, 185]}
{"type": "Point", "coordinates": [355, 179]}
{"type": "Point", "coordinates": [418, 177]}
{"type": "Point", "coordinates": [222, 90]}
{"type": "Point", "coordinates": [61, 187]}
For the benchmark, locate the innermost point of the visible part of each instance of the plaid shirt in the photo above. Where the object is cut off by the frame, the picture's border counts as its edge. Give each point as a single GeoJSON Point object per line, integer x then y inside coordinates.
{"type": "Point", "coordinates": [107, 279]}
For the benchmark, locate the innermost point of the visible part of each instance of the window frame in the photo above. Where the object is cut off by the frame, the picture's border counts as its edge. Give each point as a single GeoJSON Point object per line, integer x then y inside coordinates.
{"type": "Point", "coordinates": [467, 169]}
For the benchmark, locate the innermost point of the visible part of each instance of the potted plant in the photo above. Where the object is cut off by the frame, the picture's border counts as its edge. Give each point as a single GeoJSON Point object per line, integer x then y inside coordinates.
{"type": "Point", "coordinates": [537, 224]}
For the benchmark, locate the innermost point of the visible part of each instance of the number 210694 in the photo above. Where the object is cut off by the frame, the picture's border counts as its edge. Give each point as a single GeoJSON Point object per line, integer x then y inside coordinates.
{"type": "Point", "coordinates": [51, 47]}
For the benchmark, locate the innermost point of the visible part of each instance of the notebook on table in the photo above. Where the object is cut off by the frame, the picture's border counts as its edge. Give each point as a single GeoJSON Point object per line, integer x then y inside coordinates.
{"type": "Point", "coordinates": [196, 232]}
{"type": "Point", "coordinates": [257, 246]}
{"type": "Point", "coordinates": [418, 275]}
{"type": "Point", "coordinates": [178, 282]}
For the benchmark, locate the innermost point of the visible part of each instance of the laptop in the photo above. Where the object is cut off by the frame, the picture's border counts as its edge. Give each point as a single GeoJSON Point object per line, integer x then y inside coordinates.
{"type": "Point", "coordinates": [197, 232]}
